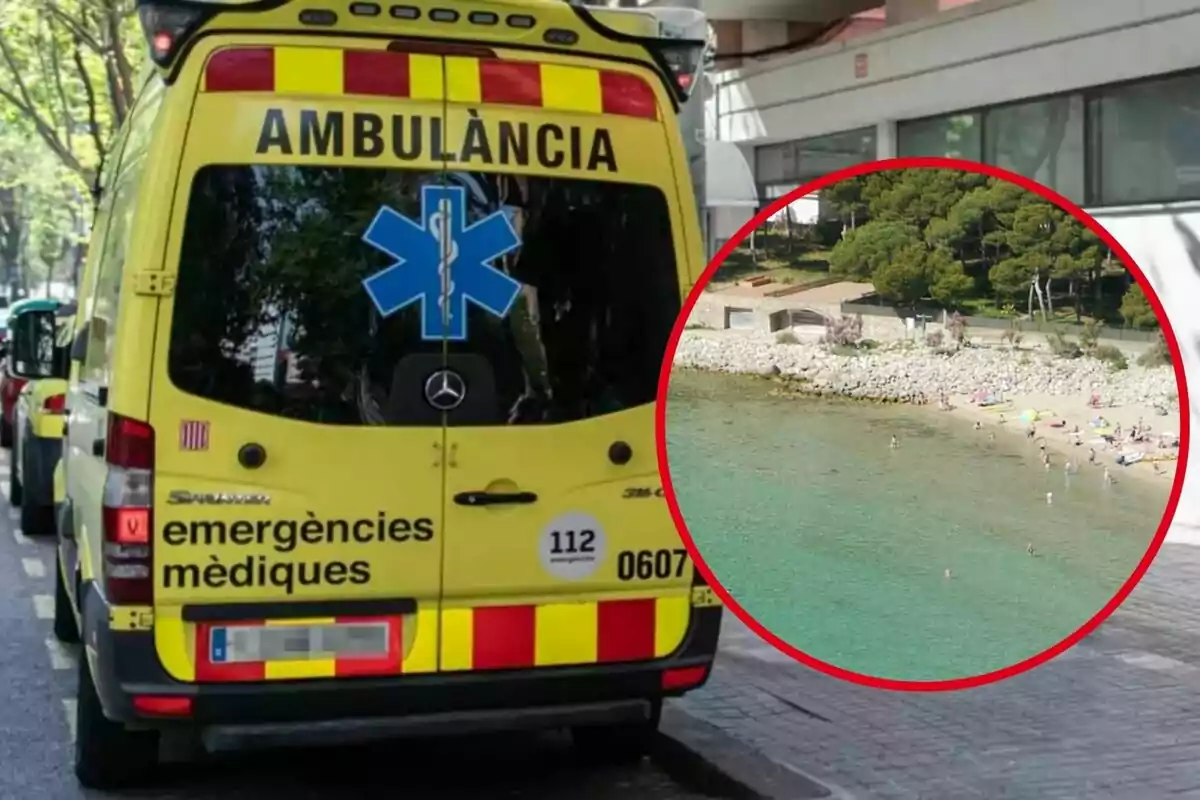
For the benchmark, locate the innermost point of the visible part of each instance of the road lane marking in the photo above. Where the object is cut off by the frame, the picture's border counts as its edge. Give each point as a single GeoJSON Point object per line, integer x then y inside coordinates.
{"type": "Point", "coordinates": [14, 513]}
{"type": "Point", "coordinates": [1155, 662]}
{"type": "Point", "coordinates": [20, 537]}
{"type": "Point", "coordinates": [33, 567]}
{"type": "Point", "coordinates": [69, 710]}
{"type": "Point", "coordinates": [60, 657]}
{"type": "Point", "coordinates": [43, 606]}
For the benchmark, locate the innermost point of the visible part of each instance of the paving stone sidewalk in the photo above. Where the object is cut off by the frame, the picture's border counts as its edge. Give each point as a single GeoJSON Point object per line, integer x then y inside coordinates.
{"type": "Point", "coordinates": [1116, 717]}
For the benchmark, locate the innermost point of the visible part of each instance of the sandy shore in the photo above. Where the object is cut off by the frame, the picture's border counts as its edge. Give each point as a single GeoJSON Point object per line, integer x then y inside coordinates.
{"type": "Point", "coordinates": [1074, 411]}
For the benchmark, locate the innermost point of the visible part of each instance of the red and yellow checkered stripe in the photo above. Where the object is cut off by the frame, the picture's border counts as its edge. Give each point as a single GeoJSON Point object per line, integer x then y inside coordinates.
{"type": "Point", "coordinates": [320, 71]}
{"type": "Point", "coordinates": [482, 638]}
{"type": "Point", "coordinates": [561, 634]}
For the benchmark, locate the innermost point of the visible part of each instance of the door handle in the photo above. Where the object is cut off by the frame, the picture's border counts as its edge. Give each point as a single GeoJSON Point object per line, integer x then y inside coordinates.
{"type": "Point", "coordinates": [493, 498]}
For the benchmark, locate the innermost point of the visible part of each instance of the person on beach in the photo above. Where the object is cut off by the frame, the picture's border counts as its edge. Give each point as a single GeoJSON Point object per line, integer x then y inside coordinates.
{"type": "Point", "coordinates": [895, 442]}
{"type": "Point", "coordinates": [1091, 455]}
{"type": "Point", "coordinates": [1108, 478]}
{"type": "Point", "coordinates": [978, 425]}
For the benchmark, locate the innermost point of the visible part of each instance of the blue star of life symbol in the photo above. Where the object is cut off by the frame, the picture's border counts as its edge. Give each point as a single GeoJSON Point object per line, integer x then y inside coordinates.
{"type": "Point", "coordinates": [442, 263]}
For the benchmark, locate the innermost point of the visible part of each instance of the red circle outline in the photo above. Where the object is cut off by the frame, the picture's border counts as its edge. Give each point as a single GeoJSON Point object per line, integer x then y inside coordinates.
{"type": "Point", "coordinates": [660, 419]}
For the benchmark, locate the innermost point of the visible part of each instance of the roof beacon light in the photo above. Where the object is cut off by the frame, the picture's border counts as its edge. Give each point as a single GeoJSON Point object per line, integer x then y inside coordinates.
{"type": "Point", "coordinates": [166, 27]}
{"type": "Point", "coordinates": [678, 39]}
{"type": "Point", "coordinates": [684, 44]}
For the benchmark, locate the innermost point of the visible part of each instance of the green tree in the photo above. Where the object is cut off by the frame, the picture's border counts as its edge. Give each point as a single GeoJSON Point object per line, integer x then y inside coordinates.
{"type": "Point", "coordinates": [67, 74]}
{"type": "Point", "coordinates": [1136, 308]}
{"type": "Point", "coordinates": [904, 278]}
{"type": "Point", "coordinates": [917, 196]}
{"type": "Point", "coordinates": [949, 283]}
{"type": "Point", "coordinates": [67, 81]}
{"type": "Point", "coordinates": [868, 248]}
{"type": "Point", "coordinates": [846, 199]}
{"type": "Point", "coordinates": [1011, 277]}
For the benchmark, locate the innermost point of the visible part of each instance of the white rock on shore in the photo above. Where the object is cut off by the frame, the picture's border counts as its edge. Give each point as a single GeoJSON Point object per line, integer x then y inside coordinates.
{"type": "Point", "coordinates": [895, 373]}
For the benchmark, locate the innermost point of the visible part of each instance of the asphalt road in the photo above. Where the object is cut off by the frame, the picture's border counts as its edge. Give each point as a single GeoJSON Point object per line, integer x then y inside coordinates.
{"type": "Point", "coordinates": [37, 677]}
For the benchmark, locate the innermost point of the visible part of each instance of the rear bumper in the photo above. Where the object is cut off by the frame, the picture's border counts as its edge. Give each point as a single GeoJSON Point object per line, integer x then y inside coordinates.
{"type": "Point", "coordinates": [127, 665]}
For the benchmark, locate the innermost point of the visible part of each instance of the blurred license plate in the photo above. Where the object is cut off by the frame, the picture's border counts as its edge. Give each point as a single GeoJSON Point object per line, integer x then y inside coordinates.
{"type": "Point", "coordinates": [242, 643]}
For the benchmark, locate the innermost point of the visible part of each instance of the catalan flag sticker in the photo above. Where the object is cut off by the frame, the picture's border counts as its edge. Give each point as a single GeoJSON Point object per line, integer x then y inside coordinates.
{"type": "Point", "coordinates": [193, 435]}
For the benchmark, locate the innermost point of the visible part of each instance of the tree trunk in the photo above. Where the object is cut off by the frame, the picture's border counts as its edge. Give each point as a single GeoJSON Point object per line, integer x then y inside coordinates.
{"type": "Point", "coordinates": [1049, 297]}
{"type": "Point", "coordinates": [1037, 288]}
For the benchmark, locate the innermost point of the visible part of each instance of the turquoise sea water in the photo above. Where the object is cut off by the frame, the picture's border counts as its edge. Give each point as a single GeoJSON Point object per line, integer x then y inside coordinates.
{"type": "Point", "coordinates": [839, 544]}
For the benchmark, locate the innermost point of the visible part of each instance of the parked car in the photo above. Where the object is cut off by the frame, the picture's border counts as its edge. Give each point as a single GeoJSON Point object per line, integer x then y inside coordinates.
{"type": "Point", "coordinates": [39, 418]}
{"type": "Point", "coordinates": [10, 383]}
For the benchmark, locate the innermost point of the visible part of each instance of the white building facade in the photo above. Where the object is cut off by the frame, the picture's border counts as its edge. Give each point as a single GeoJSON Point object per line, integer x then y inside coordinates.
{"type": "Point", "coordinates": [1099, 99]}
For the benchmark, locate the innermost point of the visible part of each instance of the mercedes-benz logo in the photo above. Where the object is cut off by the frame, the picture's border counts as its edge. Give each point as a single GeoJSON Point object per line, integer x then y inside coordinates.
{"type": "Point", "coordinates": [445, 390]}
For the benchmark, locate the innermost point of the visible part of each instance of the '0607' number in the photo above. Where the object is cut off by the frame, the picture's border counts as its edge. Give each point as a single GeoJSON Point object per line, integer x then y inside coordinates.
{"type": "Point", "coordinates": [644, 565]}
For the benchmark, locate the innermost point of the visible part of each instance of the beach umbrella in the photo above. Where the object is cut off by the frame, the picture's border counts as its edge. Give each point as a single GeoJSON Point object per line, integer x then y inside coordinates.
{"type": "Point", "coordinates": [1029, 415]}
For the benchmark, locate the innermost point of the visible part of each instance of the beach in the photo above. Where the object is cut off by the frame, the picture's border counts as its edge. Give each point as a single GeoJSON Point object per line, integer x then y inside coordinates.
{"type": "Point", "coordinates": [991, 383]}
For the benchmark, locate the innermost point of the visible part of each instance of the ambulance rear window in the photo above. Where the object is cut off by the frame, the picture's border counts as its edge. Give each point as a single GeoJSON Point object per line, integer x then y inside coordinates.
{"type": "Point", "coordinates": [273, 311]}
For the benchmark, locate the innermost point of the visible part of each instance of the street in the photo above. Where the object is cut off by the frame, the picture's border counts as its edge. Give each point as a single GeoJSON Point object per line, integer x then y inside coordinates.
{"type": "Point", "coordinates": [38, 676]}
{"type": "Point", "coordinates": [1113, 718]}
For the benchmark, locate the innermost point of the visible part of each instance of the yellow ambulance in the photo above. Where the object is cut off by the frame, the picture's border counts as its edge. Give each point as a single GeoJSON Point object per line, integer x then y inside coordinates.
{"type": "Point", "coordinates": [360, 416]}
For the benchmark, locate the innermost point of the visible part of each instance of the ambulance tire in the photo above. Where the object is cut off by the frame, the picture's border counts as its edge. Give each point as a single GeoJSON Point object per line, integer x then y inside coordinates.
{"type": "Point", "coordinates": [66, 629]}
{"type": "Point", "coordinates": [619, 743]}
{"type": "Point", "coordinates": [35, 520]}
{"type": "Point", "coordinates": [107, 755]}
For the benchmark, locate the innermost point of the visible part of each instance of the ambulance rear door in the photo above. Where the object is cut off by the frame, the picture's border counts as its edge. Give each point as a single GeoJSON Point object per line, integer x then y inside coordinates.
{"type": "Point", "coordinates": [559, 549]}
{"type": "Point", "coordinates": [299, 467]}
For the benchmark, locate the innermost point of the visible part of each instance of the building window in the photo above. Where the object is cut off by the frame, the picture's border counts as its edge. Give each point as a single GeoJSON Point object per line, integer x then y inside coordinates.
{"type": "Point", "coordinates": [1042, 140]}
{"type": "Point", "coordinates": [779, 168]}
{"type": "Point", "coordinates": [952, 136]}
{"type": "Point", "coordinates": [1144, 141]}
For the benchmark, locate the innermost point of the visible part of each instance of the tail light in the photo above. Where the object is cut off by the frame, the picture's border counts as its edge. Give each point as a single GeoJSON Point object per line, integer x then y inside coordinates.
{"type": "Point", "coordinates": [162, 706]}
{"type": "Point", "coordinates": [683, 678]}
{"type": "Point", "coordinates": [128, 512]}
{"type": "Point", "coordinates": [55, 404]}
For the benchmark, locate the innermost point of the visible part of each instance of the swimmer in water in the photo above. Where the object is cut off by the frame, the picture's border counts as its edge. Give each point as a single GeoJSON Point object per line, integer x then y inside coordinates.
{"type": "Point", "coordinates": [1049, 501]}
{"type": "Point", "coordinates": [895, 442]}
